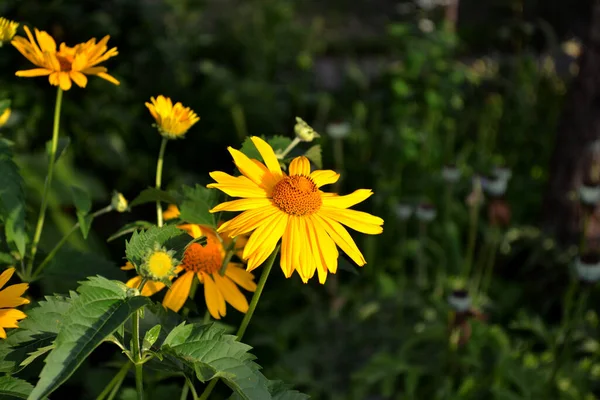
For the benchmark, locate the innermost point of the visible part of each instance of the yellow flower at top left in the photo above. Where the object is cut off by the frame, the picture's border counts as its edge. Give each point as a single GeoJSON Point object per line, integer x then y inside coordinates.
{"type": "Point", "coordinates": [8, 29]}
{"type": "Point", "coordinates": [10, 298]}
{"type": "Point", "coordinates": [67, 64]}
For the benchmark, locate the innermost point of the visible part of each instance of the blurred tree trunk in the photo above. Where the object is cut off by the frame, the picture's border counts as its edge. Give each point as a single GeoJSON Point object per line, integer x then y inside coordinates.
{"type": "Point", "coordinates": [579, 126]}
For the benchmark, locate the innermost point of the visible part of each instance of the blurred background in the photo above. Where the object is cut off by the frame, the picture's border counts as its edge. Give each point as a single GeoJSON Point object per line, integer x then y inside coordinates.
{"type": "Point", "coordinates": [474, 122]}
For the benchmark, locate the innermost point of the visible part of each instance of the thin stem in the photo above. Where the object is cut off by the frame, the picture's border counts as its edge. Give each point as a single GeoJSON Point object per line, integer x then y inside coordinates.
{"type": "Point", "coordinates": [268, 265]}
{"type": "Point", "coordinates": [159, 168]}
{"type": "Point", "coordinates": [473, 217]}
{"type": "Point", "coordinates": [48, 183]}
{"type": "Point", "coordinates": [113, 386]}
{"type": "Point", "coordinates": [139, 378]}
{"type": "Point", "coordinates": [184, 391]}
{"type": "Point", "coordinates": [190, 385]}
{"type": "Point", "coordinates": [290, 147]}
{"type": "Point", "coordinates": [64, 240]}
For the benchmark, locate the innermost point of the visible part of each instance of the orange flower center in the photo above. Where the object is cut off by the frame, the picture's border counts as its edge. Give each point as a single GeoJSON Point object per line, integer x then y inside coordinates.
{"type": "Point", "coordinates": [64, 61]}
{"type": "Point", "coordinates": [297, 195]}
{"type": "Point", "coordinates": [208, 259]}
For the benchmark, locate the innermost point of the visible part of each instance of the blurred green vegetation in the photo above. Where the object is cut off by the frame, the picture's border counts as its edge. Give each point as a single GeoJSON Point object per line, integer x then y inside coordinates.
{"type": "Point", "coordinates": [415, 97]}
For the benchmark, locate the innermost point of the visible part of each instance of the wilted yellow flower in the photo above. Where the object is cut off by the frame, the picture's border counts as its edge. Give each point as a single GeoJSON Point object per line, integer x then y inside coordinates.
{"type": "Point", "coordinates": [172, 121]}
{"type": "Point", "coordinates": [8, 29]}
{"type": "Point", "coordinates": [4, 117]}
{"type": "Point", "coordinates": [68, 63]}
{"type": "Point", "coordinates": [294, 209]}
{"type": "Point", "coordinates": [9, 298]}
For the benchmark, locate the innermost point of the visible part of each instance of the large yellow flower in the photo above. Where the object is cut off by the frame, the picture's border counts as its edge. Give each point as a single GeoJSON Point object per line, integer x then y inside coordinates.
{"type": "Point", "coordinates": [8, 29]}
{"type": "Point", "coordinates": [205, 263]}
{"type": "Point", "coordinates": [294, 209]}
{"type": "Point", "coordinates": [173, 121]}
{"type": "Point", "coordinates": [68, 63]}
{"type": "Point", "coordinates": [9, 298]}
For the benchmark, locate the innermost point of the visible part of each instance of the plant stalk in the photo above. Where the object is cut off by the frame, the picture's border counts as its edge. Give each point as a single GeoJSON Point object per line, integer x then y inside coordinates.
{"type": "Point", "coordinates": [47, 184]}
{"type": "Point", "coordinates": [113, 386]}
{"type": "Point", "coordinates": [159, 168]}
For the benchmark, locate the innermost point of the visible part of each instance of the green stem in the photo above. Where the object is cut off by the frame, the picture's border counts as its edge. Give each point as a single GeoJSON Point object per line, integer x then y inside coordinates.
{"type": "Point", "coordinates": [159, 168]}
{"type": "Point", "coordinates": [268, 265]}
{"type": "Point", "coordinates": [48, 183]}
{"type": "Point", "coordinates": [64, 240]}
{"type": "Point", "coordinates": [473, 217]}
{"type": "Point", "coordinates": [290, 147]}
{"type": "Point", "coordinates": [184, 391]}
{"type": "Point", "coordinates": [139, 378]}
{"type": "Point", "coordinates": [115, 384]}
{"type": "Point", "coordinates": [190, 385]}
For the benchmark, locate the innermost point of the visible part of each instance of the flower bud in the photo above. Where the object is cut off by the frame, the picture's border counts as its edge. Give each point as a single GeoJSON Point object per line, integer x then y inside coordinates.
{"type": "Point", "coordinates": [119, 202]}
{"type": "Point", "coordinates": [303, 131]}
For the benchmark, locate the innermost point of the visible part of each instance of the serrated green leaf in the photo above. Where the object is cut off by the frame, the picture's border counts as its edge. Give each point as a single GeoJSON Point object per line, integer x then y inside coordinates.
{"type": "Point", "coordinates": [101, 308]}
{"type": "Point", "coordinates": [279, 391]}
{"type": "Point", "coordinates": [142, 241]}
{"type": "Point", "coordinates": [212, 354]}
{"type": "Point", "coordinates": [70, 266]}
{"type": "Point", "coordinates": [130, 228]}
{"type": "Point", "coordinates": [314, 155]}
{"type": "Point", "coordinates": [35, 354]}
{"type": "Point", "coordinates": [12, 198]}
{"type": "Point", "coordinates": [196, 205]}
{"type": "Point", "coordinates": [14, 388]}
{"type": "Point", "coordinates": [62, 145]}
{"type": "Point", "coordinates": [151, 195]}
{"type": "Point", "coordinates": [36, 331]}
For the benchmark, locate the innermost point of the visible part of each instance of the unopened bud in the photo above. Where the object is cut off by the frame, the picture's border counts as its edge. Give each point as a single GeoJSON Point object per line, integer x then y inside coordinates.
{"type": "Point", "coordinates": [119, 202]}
{"type": "Point", "coordinates": [304, 132]}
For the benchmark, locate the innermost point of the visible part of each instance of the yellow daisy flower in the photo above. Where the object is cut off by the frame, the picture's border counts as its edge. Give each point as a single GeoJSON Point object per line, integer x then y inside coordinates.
{"type": "Point", "coordinates": [9, 298]}
{"type": "Point", "coordinates": [4, 117]}
{"type": "Point", "coordinates": [292, 208]}
{"type": "Point", "coordinates": [68, 63]}
{"type": "Point", "coordinates": [173, 121]}
{"type": "Point", "coordinates": [8, 29]}
{"type": "Point", "coordinates": [205, 263]}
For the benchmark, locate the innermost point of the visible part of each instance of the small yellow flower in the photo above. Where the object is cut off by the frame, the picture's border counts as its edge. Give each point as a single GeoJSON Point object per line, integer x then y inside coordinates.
{"type": "Point", "coordinates": [4, 117]}
{"type": "Point", "coordinates": [172, 121]}
{"type": "Point", "coordinates": [8, 29]}
{"type": "Point", "coordinates": [292, 208]}
{"type": "Point", "coordinates": [204, 262]}
{"type": "Point", "coordinates": [159, 265]}
{"type": "Point", "coordinates": [9, 298]}
{"type": "Point", "coordinates": [68, 63]}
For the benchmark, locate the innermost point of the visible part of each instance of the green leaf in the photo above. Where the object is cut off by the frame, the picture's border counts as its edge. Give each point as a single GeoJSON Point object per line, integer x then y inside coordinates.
{"type": "Point", "coordinates": [279, 391]}
{"type": "Point", "coordinates": [70, 266]}
{"type": "Point", "coordinates": [168, 236]}
{"type": "Point", "coordinates": [151, 337]}
{"type": "Point", "coordinates": [196, 205]}
{"type": "Point", "coordinates": [151, 195]}
{"type": "Point", "coordinates": [81, 200]}
{"type": "Point", "coordinates": [278, 143]}
{"type": "Point", "coordinates": [12, 198]}
{"type": "Point", "coordinates": [101, 308]}
{"type": "Point", "coordinates": [14, 388]}
{"type": "Point", "coordinates": [36, 331]}
{"type": "Point", "coordinates": [314, 155]}
{"type": "Point", "coordinates": [210, 353]}
{"type": "Point", "coordinates": [130, 228]}
{"type": "Point", "coordinates": [7, 259]}
{"type": "Point", "coordinates": [63, 144]}
{"type": "Point", "coordinates": [4, 104]}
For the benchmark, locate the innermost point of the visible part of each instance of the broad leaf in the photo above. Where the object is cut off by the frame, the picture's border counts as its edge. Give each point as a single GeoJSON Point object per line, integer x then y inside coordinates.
{"type": "Point", "coordinates": [314, 155]}
{"type": "Point", "coordinates": [279, 391]}
{"type": "Point", "coordinates": [168, 236]}
{"type": "Point", "coordinates": [13, 388]}
{"type": "Point", "coordinates": [210, 353]}
{"type": "Point", "coordinates": [70, 266]}
{"type": "Point", "coordinates": [36, 331]}
{"type": "Point", "coordinates": [151, 195]}
{"type": "Point", "coordinates": [196, 205]}
{"type": "Point", "coordinates": [101, 308]}
{"type": "Point", "coordinates": [12, 198]}
{"type": "Point", "coordinates": [130, 228]}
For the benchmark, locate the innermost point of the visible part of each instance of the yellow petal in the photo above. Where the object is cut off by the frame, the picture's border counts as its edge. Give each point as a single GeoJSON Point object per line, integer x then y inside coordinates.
{"type": "Point", "coordinates": [10, 316]}
{"type": "Point", "coordinates": [128, 266]}
{"type": "Point", "coordinates": [30, 73]}
{"type": "Point", "coordinates": [324, 177]}
{"type": "Point", "coordinates": [2, 333]}
{"type": "Point", "coordinates": [348, 200]}
{"type": "Point", "coordinates": [151, 288]}
{"type": "Point", "coordinates": [248, 221]}
{"type": "Point", "coordinates": [306, 266]}
{"type": "Point", "coordinates": [341, 237]}
{"type": "Point", "coordinates": [326, 245]}
{"type": "Point", "coordinates": [46, 42]}
{"type": "Point", "coordinates": [213, 297]}
{"type": "Point", "coordinates": [193, 230]}
{"type": "Point", "coordinates": [5, 276]}
{"type": "Point", "coordinates": [231, 293]}
{"type": "Point", "coordinates": [300, 166]}
{"type": "Point", "coordinates": [265, 237]}
{"type": "Point", "coordinates": [357, 220]}
{"type": "Point", "coordinates": [107, 77]}
{"type": "Point", "coordinates": [268, 155]}
{"type": "Point", "coordinates": [242, 205]}
{"type": "Point", "coordinates": [64, 80]}
{"type": "Point", "coordinates": [241, 277]}
{"type": "Point", "coordinates": [289, 255]}
{"type": "Point", "coordinates": [248, 167]}
{"type": "Point", "coordinates": [179, 292]}
{"type": "Point", "coordinates": [318, 257]}
{"type": "Point", "coordinates": [171, 212]}
{"type": "Point", "coordinates": [79, 78]}
{"type": "Point", "coordinates": [11, 296]}
{"type": "Point", "coordinates": [134, 282]}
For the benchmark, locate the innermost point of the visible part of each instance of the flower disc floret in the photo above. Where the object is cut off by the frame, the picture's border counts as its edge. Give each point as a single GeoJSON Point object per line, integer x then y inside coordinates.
{"type": "Point", "coordinates": [208, 258]}
{"type": "Point", "coordinates": [297, 195]}
{"type": "Point", "coordinates": [159, 265]}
